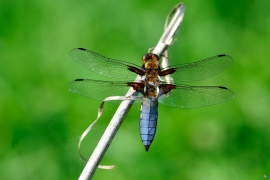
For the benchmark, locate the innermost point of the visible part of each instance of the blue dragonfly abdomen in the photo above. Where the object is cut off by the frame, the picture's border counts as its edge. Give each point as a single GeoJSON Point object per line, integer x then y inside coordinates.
{"type": "Point", "coordinates": [148, 120]}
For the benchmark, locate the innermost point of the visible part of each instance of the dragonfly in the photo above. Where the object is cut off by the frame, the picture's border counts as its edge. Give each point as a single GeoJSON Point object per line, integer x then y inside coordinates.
{"type": "Point", "coordinates": [151, 84]}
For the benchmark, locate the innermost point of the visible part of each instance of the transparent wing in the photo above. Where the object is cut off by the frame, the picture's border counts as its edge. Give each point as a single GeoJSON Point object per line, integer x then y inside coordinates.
{"type": "Point", "coordinates": [103, 65]}
{"type": "Point", "coordinates": [196, 96]}
{"type": "Point", "coordinates": [98, 90]}
{"type": "Point", "coordinates": [202, 69]}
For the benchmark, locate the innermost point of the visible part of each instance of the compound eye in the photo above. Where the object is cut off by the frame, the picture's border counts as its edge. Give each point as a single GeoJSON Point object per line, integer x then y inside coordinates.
{"type": "Point", "coordinates": [144, 58]}
{"type": "Point", "coordinates": [150, 56]}
{"type": "Point", "coordinates": [156, 56]}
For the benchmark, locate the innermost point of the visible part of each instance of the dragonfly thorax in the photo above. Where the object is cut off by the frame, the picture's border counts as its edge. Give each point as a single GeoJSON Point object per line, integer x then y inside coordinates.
{"type": "Point", "coordinates": [152, 77]}
{"type": "Point", "coordinates": [151, 68]}
{"type": "Point", "coordinates": [151, 91]}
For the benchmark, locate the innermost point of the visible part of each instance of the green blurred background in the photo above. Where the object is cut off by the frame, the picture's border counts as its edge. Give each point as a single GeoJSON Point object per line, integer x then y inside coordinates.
{"type": "Point", "coordinates": [41, 121]}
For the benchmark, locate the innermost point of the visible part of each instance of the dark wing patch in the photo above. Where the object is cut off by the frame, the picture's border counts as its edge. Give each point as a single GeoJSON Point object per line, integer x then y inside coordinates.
{"type": "Point", "coordinates": [137, 86]}
{"type": "Point", "coordinates": [166, 88]}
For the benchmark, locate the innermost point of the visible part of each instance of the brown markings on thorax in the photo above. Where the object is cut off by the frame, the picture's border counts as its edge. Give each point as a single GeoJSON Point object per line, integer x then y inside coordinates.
{"type": "Point", "coordinates": [150, 91]}
{"type": "Point", "coordinates": [151, 66]}
{"type": "Point", "coordinates": [151, 76]}
{"type": "Point", "coordinates": [145, 89]}
{"type": "Point", "coordinates": [152, 72]}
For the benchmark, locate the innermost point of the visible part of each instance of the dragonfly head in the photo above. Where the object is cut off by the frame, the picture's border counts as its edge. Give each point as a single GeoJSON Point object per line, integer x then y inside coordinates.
{"type": "Point", "coordinates": [150, 61]}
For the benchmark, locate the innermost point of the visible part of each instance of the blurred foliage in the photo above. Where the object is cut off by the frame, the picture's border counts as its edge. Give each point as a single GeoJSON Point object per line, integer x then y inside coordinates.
{"type": "Point", "coordinates": [41, 121]}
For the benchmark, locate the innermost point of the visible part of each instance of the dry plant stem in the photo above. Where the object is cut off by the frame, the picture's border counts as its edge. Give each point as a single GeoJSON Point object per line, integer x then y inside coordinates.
{"type": "Point", "coordinates": [163, 44]}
